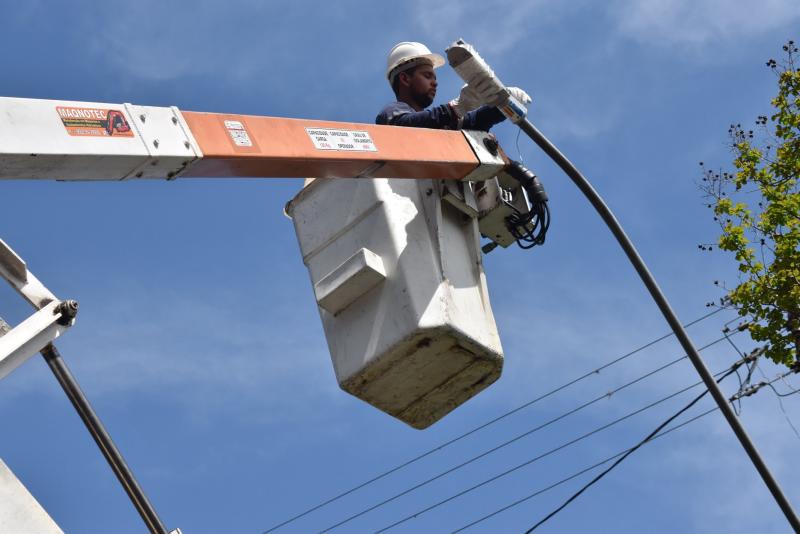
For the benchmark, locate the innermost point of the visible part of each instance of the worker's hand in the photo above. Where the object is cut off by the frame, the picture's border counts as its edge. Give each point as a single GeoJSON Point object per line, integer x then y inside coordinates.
{"type": "Point", "coordinates": [467, 100]}
{"type": "Point", "coordinates": [489, 90]}
{"type": "Point", "coordinates": [520, 95]}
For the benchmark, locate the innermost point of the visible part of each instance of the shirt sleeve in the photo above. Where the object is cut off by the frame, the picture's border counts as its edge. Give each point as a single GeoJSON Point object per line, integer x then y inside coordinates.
{"type": "Point", "coordinates": [440, 117]}
{"type": "Point", "coordinates": [401, 114]}
{"type": "Point", "coordinates": [482, 118]}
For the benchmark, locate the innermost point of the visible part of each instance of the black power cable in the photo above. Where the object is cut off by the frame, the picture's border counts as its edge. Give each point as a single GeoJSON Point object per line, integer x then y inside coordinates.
{"type": "Point", "coordinates": [487, 424]}
{"type": "Point", "coordinates": [529, 229]}
{"type": "Point", "coordinates": [666, 310]}
{"type": "Point", "coordinates": [577, 474]}
{"type": "Point", "coordinates": [536, 458]}
{"type": "Point", "coordinates": [506, 443]}
{"type": "Point", "coordinates": [722, 375]}
{"type": "Point", "coordinates": [634, 448]}
{"type": "Point", "coordinates": [525, 434]}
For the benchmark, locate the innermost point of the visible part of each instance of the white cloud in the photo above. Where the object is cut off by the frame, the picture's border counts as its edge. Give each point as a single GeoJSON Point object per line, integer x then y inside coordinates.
{"type": "Point", "coordinates": [236, 41]}
{"type": "Point", "coordinates": [205, 351]}
{"type": "Point", "coordinates": [493, 26]}
{"type": "Point", "coordinates": [505, 24]}
{"type": "Point", "coordinates": [697, 22]}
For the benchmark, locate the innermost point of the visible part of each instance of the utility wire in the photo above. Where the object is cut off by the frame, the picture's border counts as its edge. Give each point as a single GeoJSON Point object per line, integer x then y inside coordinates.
{"type": "Point", "coordinates": [535, 459]}
{"type": "Point", "coordinates": [794, 392]}
{"type": "Point", "coordinates": [783, 409]}
{"type": "Point", "coordinates": [746, 392]}
{"type": "Point", "coordinates": [519, 466]}
{"type": "Point", "coordinates": [649, 437]}
{"type": "Point", "coordinates": [575, 475]}
{"type": "Point", "coordinates": [602, 462]}
{"type": "Point", "coordinates": [746, 381]}
{"type": "Point", "coordinates": [489, 423]}
{"type": "Point", "coordinates": [780, 397]}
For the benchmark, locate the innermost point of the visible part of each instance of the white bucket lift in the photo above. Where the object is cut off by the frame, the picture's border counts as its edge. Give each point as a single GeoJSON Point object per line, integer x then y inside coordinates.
{"type": "Point", "coordinates": [401, 290]}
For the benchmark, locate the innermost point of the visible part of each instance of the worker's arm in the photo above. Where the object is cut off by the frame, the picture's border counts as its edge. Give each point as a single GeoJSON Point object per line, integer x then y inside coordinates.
{"type": "Point", "coordinates": [482, 118]}
{"type": "Point", "coordinates": [439, 117]}
{"type": "Point", "coordinates": [401, 114]}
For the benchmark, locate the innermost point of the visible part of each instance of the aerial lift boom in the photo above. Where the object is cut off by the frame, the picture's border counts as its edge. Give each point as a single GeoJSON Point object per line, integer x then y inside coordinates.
{"type": "Point", "coordinates": [63, 140]}
{"type": "Point", "coordinates": [440, 349]}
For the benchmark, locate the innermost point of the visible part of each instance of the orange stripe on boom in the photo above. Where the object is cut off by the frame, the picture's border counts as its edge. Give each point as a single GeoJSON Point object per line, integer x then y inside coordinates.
{"type": "Point", "coordinates": [254, 146]}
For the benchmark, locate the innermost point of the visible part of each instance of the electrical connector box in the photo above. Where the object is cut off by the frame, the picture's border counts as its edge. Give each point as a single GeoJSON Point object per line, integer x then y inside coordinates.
{"type": "Point", "coordinates": [409, 328]}
{"type": "Point", "coordinates": [496, 203]}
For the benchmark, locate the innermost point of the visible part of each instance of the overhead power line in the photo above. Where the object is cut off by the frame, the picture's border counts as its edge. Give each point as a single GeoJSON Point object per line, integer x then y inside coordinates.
{"type": "Point", "coordinates": [532, 460]}
{"type": "Point", "coordinates": [577, 474]}
{"type": "Point", "coordinates": [491, 422]}
{"type": "Point", "coordinates": [753, 355]}
{"type": "Point", "coordinates": [513, 469]}
{"type": "Point", "coordinates": [537, 458]}
{"type": "Point", "coordinates": [649, 437]}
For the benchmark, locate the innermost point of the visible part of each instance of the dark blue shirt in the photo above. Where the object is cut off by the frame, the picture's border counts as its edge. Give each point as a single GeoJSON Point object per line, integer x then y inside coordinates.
{"type": "Point", "coordinates": [439, 117]}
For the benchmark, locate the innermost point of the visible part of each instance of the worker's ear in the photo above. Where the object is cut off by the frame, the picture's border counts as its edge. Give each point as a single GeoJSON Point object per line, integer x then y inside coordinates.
{"type": "Point", "coordinates": [404, 79]}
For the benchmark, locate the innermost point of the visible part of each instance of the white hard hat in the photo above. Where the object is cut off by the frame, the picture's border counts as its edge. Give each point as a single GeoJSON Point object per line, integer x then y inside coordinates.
{"type": "Point", "coordinates": [409, 54]}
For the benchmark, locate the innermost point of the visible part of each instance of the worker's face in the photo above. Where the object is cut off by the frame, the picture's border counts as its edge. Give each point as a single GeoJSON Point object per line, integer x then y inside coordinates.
{"type": "Point", "coordinates": [422, 85]}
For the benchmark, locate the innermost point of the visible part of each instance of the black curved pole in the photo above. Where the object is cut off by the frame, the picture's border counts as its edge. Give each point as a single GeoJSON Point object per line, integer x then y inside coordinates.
{"type": "Point", "coordinates": [644, 273]}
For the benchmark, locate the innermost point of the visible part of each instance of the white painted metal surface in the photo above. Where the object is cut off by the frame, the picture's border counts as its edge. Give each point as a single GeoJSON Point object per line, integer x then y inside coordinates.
{"type": "Point", "coordinates": [14, 270]}
{"type": "Point", "coordinates": [20, 512]}
{"type": "Point", "coordinates": [491, 163]}
{"type": "Point", "coordinates": [29, 337]}
{"type": "Point", "coordinates": [423, 341]}
{"type": "Point", "coordinates": [91, 140]}
{"type": "Point", "coordinates": [167, 138]}
{"type": "Point", "coordinates": [349, 281]}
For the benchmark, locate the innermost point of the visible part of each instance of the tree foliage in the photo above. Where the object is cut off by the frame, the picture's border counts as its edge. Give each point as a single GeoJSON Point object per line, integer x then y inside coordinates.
{"type": "Point", "coordinates": [758, 210]}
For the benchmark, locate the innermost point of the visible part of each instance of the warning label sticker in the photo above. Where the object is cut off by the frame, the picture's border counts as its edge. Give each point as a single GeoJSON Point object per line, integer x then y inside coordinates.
{"type": "Point", "coordinates": [350, 140]}
{"type": "Point", "coordinates": [94, 122]}
{"type": "Point", "coordinates": [238, 133]}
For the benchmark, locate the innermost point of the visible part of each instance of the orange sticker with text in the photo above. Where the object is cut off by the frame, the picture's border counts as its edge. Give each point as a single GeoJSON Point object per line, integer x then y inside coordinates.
{"type": "Point", "coordinates": [94, 122]}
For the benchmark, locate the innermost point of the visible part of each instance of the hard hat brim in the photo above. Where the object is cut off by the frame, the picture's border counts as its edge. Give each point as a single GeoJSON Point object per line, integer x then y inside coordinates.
{"type": "Point", "coordinates": [435, 60]}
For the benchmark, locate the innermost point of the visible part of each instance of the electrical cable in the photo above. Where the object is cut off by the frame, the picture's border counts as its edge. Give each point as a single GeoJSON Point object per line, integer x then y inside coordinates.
{"type": "Point", "coordinates": [528, 497]}
{"type": "Point", "coordinates": [628, 453]}
{"type": "Point", "coordinates": [755, 387]}
{"type": "Point", "coordinates": [494, 449]}
{"type": "Point", "coordinates": [488, 423]}
{"type": "Point", "coordinates": [535, 459]}
{"type": "Point", "coordinates": [661, 301]}
{"type": "Point", "coordinates": [742, 383]}
{"type": "Point", "coordinates": [575, 475]}
{"type": "Point", "coordinates": [795, 392]}
{"type": "Point", "coordinates": [751, 391]}
{"type": "Point", "coordinates": [788, 385]}
{"type": "Point", "coordinates": [783, 409]}
{"type": "Point", "coordinates": [738, 409]}
{"type": "Point", "coordinates": [649, 437]}
{"type": "Point", "coordinates": [528, 229]}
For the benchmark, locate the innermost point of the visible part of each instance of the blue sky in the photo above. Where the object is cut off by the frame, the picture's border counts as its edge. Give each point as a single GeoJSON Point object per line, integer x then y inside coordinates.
{"type": "Point", "coordinates": [198, 339]}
